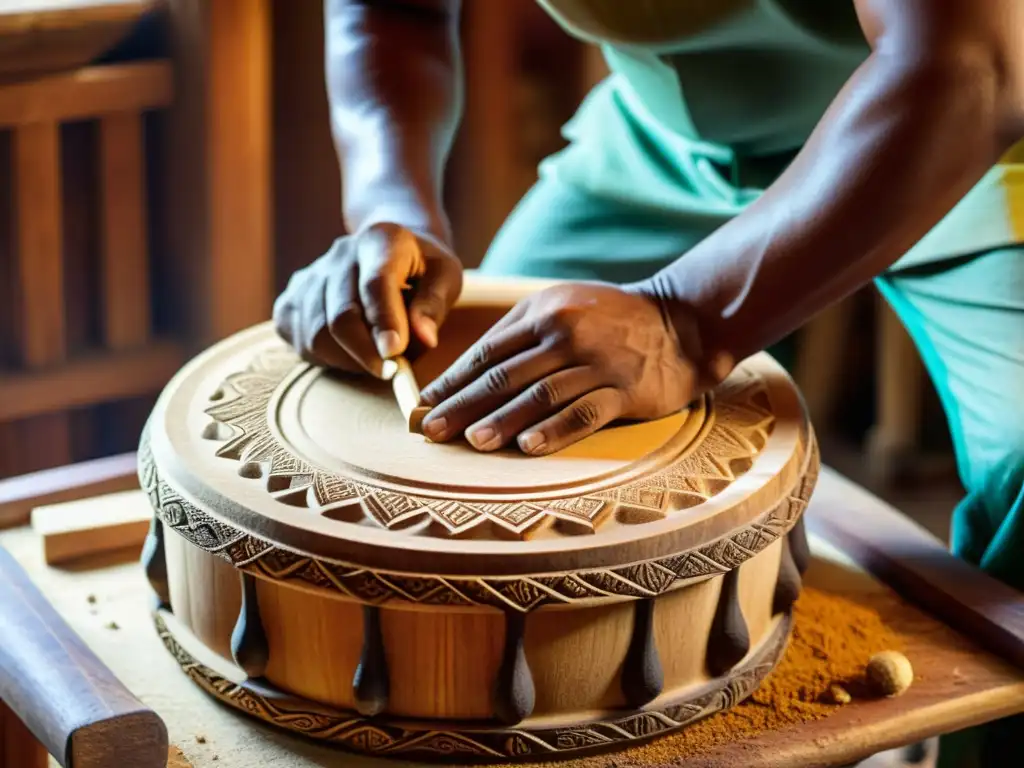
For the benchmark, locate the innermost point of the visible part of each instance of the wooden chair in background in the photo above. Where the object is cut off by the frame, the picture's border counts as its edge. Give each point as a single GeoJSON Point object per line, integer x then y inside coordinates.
{"type": "Point", "coordinates": [77, 326]}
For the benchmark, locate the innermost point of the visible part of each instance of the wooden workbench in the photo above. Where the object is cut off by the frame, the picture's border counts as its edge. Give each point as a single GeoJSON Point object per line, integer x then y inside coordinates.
{"type": "Point", "coordinates": [959, 684]}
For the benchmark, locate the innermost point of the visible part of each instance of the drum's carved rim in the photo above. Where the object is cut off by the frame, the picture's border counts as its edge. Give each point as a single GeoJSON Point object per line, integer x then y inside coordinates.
{"type": "Point", "coordinates": [651, 489]}
{"type": "Point", "coordinates": [522, 592]}
{"type": "Point", "coordinates": [263, 500]}
{"type": "Point", "coordinates": [444, 740]}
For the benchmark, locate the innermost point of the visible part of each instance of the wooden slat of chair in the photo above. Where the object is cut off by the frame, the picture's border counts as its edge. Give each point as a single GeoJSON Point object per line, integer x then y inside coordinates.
{"type": "Point", "coordinates": [126, 299]}
{"type": "Point", "coordinates": [39, 252]}
{"type": "Point", "coordinates": [37, 198]}
{"type": "Point", "coordinates": [87, 93]}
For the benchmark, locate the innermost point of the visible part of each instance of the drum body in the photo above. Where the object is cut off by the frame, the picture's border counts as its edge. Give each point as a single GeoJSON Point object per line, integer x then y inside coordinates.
{"type": "Point", "coordinates": [319, 567]}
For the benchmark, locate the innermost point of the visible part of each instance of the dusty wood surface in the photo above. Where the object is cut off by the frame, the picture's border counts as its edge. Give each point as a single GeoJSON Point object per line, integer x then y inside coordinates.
{"type": "Point", "coordinates": [900, 553]}
{"type": "Point", "coordinates": [959, 683]}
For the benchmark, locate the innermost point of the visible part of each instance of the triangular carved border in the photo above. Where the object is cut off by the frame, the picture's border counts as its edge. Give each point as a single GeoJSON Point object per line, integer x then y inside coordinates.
{"type": "Point", "coordinates": [238, 410]}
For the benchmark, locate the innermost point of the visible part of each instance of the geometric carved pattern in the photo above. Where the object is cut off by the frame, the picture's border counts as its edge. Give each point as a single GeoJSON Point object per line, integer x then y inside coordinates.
{"type": "Point", "coordinates": [477, 741]}
{"type": "Point", "coordinates": [521, 593]}
{"type": "Point", "coordinates": [239, 411]}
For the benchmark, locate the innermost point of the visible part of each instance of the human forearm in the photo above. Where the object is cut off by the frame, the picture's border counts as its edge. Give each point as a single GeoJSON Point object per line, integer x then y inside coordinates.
{"type": "Point", "coordinates": [901, 145]}
{"type": "Point", "coordinates": [394, 84]}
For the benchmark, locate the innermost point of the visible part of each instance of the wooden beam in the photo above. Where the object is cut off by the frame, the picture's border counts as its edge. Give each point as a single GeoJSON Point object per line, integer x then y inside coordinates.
{"type": "Point", "coordinates": [19, 495]}
{"type": "Point", "coordinates": [101, 378]}
{"type": "Point", "coordinates": [87, 93]}
{"type": "Point", "coordinates": [217, 165]}
{"type": "Point", "coordinates": [238, 154]}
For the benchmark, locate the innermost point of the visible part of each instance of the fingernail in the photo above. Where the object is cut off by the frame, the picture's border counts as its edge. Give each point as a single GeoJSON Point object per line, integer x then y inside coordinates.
{"type": "Point", "coordinates": [531, 441]}
{"type": "Point", "coordinates": [483, 439]}
{"type": "Point", "coordinates": [428, 331]}
{"type": "Point", "coordinates": [388, 343]}
{"type": "Point", "coordinates": [434, 428]}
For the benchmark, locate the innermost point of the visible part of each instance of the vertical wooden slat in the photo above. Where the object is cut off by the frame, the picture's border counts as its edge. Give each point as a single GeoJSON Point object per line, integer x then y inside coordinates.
{"type": "Point", "coordinates": [126, 298]}
{"type": "Point", "coordinates": [899, 382]}
{"type": "Point", "coordinates": [39, 254]}
{"type": "Point", "coordinates": [218, 203]}
{"type": "Point", "coordinates": [485, 149]}
{"type": "Point", "coordinates": [37, 198]}
{"type": "Point", "coordinates": [238, 156]}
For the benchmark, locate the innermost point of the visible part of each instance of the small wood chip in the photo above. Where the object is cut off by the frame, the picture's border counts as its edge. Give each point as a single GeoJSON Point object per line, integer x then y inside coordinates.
{"type": "Point", "coordinates": [175, 758]}
{"type": "Point", "coordinates": [839, 695]}
{"type": "Point", "coordinates": [201, 739]}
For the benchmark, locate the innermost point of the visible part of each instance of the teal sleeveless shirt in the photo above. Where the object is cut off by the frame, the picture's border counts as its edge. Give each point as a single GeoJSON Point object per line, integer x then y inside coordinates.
{"type": "Point", "coordinates": [701, 85]}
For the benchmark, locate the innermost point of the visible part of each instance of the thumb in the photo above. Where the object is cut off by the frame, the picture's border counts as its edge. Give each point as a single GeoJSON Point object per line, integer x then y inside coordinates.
{"type": "Point", "coordinates": [386, 257]}
{"type": "Point", "coordinates": [435, 293]}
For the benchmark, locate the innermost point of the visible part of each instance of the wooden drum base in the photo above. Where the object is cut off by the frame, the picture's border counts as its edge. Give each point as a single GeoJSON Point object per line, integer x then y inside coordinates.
{"type": "Point", "coordinates": [328, 571]}
{"type": "Point", "coordinates": [538, 738]}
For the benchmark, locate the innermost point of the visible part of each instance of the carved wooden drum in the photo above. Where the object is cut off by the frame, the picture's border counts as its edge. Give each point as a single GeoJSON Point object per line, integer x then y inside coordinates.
{"type": "Point", "coordinates": [319, 567]}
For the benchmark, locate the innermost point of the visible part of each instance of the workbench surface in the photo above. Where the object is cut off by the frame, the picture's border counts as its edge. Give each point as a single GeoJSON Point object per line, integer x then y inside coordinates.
{"type": "Point", "coordinates": [958, 684]}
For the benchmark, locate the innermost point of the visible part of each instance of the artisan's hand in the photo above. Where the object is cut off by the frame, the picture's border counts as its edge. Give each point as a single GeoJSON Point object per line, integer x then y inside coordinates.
{"type": "Point", "coordinates": [346, 310]}
{"type": "Point", "coordinates": [562, 364]}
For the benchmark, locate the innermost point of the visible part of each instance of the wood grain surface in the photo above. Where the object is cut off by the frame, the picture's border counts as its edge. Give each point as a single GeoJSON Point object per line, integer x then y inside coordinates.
{"type": "Point", "coordinates": [72, 530]}
{"type": "Point", "coordinates": [73, 704]}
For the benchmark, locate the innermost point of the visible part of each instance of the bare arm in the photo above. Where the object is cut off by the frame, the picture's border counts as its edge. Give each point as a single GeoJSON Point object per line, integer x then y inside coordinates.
{"type": "Point", "coordinates": [394, 82]}
{"type": "Point", "coordinates": [939, 100]}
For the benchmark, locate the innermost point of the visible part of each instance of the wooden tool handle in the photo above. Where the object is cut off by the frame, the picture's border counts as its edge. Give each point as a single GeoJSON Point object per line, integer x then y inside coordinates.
{"type": "Point", "coordinates": [483, 290]}
{"type": "Point", "coordinates": [407, 391]}
{"type": "Point", "coordinates": [906, 557]}
{"type": "Point", "coordinates": [65, 695]}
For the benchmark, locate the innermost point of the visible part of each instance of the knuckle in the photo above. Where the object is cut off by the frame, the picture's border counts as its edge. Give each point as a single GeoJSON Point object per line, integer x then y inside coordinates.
{"type": "Point", "coordinates": [560, 323]}
{"type": "Point", "coordinates": [482, 355]}
{"type": "Point", "coordinates": [339, 252]}
{"type": "Point", "coordinates": [545, 393]}
{"type": "Point", "coordinates": [375, 283]}
{"type": "Point", "coordinates": [346, 314]}
{"type": "Point", "coordinates": [583, 415]}
{"type": "Point", "coordinates": [497, 380]}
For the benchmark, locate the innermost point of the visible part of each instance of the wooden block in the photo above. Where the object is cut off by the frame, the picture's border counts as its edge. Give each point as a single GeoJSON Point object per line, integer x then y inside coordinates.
{"type": "Point", "coordinates": [107, 523]}
{"type": "Point", "coordinates": [19, 495]}
{"type": "Point", "coordinates": [124, 253]}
